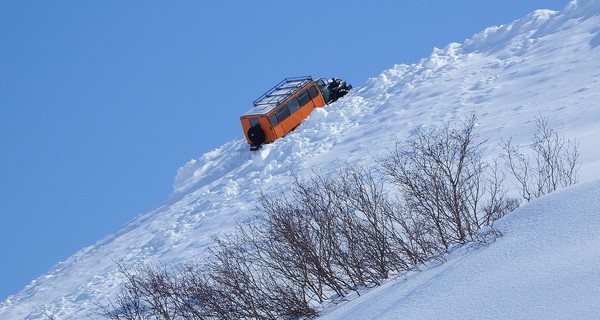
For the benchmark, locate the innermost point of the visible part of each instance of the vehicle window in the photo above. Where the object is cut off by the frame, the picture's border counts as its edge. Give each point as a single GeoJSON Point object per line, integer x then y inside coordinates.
{"type": "Point", "coordinates": [254, 122]}
{"type": "Point", "coordinates": [283, 113]}
{"type": "Point", "coordinates": [274, 120]}
{"type": "Point", "coordinates": [303, 98]}
{"type": "Point", "coordinates": [293, 105]}
{"type": "Point", "coordinates": [313, 92]}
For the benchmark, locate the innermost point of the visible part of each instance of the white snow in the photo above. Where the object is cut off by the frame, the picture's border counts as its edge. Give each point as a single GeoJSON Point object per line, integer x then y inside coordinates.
{"type": "Point", "coordinates": [547, 264]}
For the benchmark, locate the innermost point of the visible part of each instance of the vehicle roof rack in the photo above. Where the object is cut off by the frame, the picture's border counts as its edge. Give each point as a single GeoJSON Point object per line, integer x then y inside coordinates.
{"type": "Point", "coordinates": [282, 90]}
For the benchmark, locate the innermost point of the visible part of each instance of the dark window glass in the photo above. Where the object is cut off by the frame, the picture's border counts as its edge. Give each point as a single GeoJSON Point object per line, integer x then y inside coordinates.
{"type": "Point", "coordinates": [303, 98]}
{"type": "Point", "coordinates": [313, 92]}
{"type": "Point", "coordinates": [283, 113]}
{"type": "Point", "coordinates": [254, 122]}
{"type": "Point", "coordinates": [293, 105]}
{"type": "Point", "coordinates": [274, 120]}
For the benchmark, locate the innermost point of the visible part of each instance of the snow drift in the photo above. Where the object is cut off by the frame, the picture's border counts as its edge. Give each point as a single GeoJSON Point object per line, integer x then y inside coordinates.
{"type": "Point", "coordinates": [547, 63]}
{"type": "Point", "coordinates": [544, 267]}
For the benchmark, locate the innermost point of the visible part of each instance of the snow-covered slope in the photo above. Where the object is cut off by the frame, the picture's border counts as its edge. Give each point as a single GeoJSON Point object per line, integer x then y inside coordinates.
{"type": "Point", "coordinates": [546, 266]}
{"type": "Point", "coordinates": [547, 63]}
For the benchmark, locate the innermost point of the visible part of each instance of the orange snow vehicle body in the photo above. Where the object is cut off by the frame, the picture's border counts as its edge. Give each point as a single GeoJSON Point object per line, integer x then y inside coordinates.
{"type": "Point", "coordinates": [282, 108]}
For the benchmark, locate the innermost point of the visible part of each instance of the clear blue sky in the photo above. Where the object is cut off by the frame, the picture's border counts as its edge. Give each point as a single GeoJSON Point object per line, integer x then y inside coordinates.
{"type": "Point", "coordinates": [102, 101]}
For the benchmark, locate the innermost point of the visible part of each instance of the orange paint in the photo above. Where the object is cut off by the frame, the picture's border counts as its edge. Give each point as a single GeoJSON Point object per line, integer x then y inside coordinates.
{"type": "Point", "coordinates": [281, 109]}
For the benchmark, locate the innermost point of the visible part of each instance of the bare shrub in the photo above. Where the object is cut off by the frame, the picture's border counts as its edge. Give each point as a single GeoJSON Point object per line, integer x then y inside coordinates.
{"type": "Point", "coordinates": [228, 286]}
{"type": "Point", "coordinates": [554, 162]}
{"type": "Point", "coordinates": [333, 233]}
{"type": "Point", "coordinates": [445, 185]}
{"type": "Point", "coordinates": [148, 293]}
{"type": "Point", "coordinates": [300, 229]}
{"type": "Point", "coordinates": [244, 289]}
{"type": "Point", "coordinates": [370, 224]}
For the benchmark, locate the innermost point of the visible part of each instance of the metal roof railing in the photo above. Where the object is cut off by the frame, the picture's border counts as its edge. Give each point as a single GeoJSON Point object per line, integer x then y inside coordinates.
{"type": "Point", "coordinates": [282, 90]}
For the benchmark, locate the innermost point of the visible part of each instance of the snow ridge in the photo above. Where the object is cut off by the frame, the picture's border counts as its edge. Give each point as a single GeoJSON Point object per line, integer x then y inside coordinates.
{"type": "Point", "coordinates": [548, 63]}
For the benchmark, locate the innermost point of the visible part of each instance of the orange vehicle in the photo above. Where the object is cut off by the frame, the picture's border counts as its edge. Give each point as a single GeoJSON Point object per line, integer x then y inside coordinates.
{"type": "Point", "coordinates": [282, 108]}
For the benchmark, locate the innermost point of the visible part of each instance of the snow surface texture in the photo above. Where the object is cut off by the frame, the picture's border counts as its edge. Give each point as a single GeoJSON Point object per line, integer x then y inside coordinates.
{"type": "Point", "coordinates": [546, 266]}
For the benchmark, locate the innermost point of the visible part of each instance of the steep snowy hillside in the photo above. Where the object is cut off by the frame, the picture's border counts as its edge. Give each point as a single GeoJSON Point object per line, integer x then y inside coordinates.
{"type": "Point", "coordinates": [546, 266]}
{"type": "Point", "coordinates": [547, 63]}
